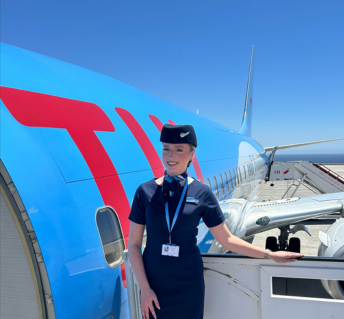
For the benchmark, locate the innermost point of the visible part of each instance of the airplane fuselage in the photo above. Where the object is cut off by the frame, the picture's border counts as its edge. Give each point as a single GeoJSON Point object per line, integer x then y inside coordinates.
{"type": "Point", "coordinates": [75, 142]}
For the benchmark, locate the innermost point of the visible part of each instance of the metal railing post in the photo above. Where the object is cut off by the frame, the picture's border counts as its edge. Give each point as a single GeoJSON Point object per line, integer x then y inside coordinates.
{"type": "Point", "coordinates": [133, 289]}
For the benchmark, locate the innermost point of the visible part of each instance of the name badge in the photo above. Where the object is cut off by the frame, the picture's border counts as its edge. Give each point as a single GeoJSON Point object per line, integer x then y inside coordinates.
{"type": "Point", "coordinates": [192, 200]}
{"type": "Point", "coordinates": [170, 250]}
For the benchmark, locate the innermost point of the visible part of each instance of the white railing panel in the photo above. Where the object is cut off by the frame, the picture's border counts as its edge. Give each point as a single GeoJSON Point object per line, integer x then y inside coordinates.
{"type": "Point", "coordinates": [242, 288]}
{"type": "Point", "coordinates": [232, 289]}
{"type": "Point", "coordinates": [238, 287]}
{"type": "Point", "coordinates": [300, 307]}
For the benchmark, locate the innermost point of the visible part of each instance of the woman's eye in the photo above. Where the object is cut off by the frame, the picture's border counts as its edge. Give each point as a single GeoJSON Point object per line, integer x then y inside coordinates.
{"type": "Point", "coordinates": [180, 150]}
{"type": "Point", "coordinates": [165, 149]}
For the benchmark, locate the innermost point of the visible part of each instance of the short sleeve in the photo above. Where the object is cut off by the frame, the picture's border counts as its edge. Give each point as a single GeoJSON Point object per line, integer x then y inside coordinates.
{"type": "Point", "coordinates": [137, 212]}
{"type": "Point", "coordinates": [212, 214]}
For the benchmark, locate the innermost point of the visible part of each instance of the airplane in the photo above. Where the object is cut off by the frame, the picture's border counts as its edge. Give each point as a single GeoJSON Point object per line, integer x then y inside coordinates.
{"type": "Point", "coordinates": [75, 145]}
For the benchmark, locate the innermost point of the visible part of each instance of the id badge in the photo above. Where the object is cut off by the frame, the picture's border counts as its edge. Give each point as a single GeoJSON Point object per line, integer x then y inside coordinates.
{"type": "Point", "coordinates": [170, 250]}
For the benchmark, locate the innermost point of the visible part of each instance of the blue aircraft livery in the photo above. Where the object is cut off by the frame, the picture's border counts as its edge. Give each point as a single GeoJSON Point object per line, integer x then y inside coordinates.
{"type": "Point", "coordinates": [75, 145]}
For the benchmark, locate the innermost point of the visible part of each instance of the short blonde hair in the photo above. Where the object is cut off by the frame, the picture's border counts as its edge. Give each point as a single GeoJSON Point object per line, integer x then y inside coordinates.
{"type": "Point", "coordinates": [192, 148]}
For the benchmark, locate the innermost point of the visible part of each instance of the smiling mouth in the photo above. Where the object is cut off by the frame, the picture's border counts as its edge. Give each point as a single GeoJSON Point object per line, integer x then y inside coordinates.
{"type": "Point", "coordinates": [172, 163]}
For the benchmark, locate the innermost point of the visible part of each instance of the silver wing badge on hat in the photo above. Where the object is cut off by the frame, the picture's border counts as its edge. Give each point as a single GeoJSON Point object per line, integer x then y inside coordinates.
{"type": "Point", "coordinates": [184, 134]}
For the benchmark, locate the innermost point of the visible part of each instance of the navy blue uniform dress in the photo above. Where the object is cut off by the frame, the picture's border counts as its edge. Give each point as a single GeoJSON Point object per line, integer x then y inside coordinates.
{"type": "Point", "coordinates": [177, 281]}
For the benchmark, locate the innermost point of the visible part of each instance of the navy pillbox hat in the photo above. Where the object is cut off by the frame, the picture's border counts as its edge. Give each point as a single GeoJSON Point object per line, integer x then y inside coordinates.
{"type": "Point", "coordinates": [178, 134]}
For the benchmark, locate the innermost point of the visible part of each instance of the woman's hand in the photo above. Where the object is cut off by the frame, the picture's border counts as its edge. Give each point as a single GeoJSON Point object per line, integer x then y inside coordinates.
{"type": "Point", "coordinates": [147, 298]}
{"type": "Point", "coordinates": [235, 244]}
{"type": "Point", "coordinates": [282, 257]}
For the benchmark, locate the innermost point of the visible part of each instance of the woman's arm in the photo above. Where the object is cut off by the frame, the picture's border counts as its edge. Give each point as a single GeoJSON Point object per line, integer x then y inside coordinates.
{"type": "Point", "coordinates": [235, 244]}
{"type": "Point", "coordinates": [135, 257]}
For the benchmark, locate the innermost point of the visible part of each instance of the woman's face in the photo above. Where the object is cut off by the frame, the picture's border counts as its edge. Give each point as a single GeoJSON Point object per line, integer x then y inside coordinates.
{"type": "Point", "coordinates": [176, 157]}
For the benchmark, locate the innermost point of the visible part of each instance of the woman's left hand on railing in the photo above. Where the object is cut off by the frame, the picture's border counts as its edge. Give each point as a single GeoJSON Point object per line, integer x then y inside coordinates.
{"type": "Point", "coordinates": [282, 257]}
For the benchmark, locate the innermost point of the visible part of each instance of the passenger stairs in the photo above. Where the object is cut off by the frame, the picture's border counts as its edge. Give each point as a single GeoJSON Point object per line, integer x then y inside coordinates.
{"type": "Point", "coordinates": [319, 178]}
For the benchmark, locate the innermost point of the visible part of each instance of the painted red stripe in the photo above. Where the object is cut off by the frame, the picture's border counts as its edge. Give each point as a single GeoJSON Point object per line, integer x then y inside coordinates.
{"type": "Point", "coordinates": [156, 122]}
{"type": "Point", "coordinates": [80, 119]}
{"type": "Point", "coordinates": [194, 162]}
{"type": "Point", "coordinates": [143, 140]}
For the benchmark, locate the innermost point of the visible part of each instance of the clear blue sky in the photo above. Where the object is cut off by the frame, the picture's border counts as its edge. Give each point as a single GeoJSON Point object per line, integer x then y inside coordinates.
{"type": "Point", "coordinates": [196, 54]}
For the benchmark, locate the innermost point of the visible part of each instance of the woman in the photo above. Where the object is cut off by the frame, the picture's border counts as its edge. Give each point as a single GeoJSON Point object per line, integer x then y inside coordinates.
{"type": "Point", "coordinates": [170, 272]}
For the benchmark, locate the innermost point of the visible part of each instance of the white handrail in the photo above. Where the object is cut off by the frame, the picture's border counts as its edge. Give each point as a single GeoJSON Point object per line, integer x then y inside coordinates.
{"type": "Point", "coordinates": [133, 289]}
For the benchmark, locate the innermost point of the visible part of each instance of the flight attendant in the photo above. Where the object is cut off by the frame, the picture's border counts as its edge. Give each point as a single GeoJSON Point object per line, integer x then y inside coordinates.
{"type": "Point", "coordinates": [170, 271]}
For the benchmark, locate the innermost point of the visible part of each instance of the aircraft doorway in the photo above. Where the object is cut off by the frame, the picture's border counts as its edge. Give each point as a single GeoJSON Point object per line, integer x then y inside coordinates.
{"type": "Point", "coordinates": [21, 290]}
{"type": "Point", "coordinates": [18, 296]}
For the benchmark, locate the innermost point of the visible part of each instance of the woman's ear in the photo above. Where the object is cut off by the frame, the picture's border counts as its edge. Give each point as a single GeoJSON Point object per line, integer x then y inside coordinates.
{"type": "Point", "coordinates": [192, 155]}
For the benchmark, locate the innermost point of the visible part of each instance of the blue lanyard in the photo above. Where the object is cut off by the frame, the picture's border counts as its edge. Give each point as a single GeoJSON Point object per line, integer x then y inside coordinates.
{"type": "Point", "coordinates": [177, 210]}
